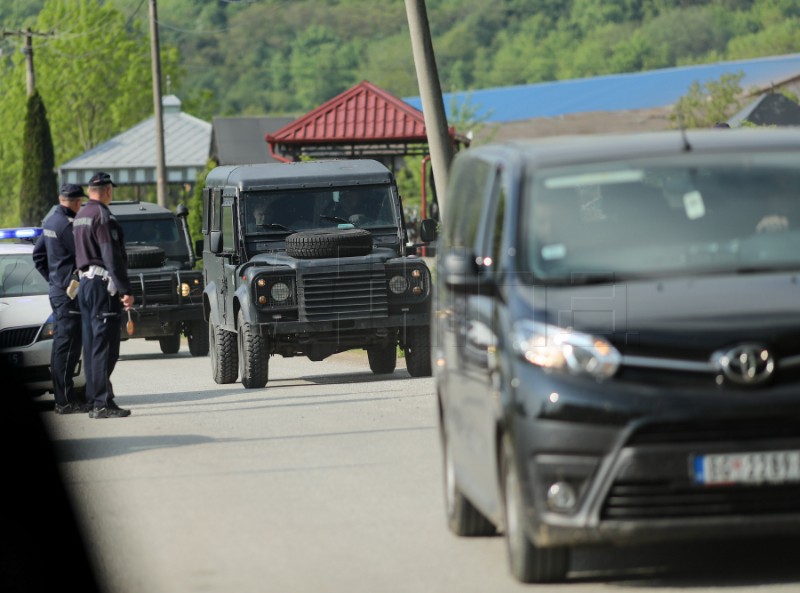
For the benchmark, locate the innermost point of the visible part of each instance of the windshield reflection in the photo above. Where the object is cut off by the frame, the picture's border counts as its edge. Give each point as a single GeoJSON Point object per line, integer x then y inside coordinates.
{"type": "Point", "coordinates": [292, 211]}
{"type": "Point", "coordinates": [688, 214]}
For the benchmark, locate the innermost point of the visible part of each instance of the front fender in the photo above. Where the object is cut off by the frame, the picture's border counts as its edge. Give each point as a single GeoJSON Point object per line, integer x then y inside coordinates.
{"type": "Point", "coordinates": [210, 308]}
{"type": "Point", "coordinates": [244, 303]}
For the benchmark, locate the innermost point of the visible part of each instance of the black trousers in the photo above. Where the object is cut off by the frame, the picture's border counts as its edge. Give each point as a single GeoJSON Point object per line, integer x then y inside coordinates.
{"type": "Point", "coordinates": [100, 316]}
{"type": "Point", "coordinates": [66, 348]}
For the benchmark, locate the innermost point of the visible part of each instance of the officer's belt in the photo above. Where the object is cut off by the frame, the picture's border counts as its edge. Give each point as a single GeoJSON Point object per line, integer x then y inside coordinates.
{"type": "Point", "coordinates": [93, 271]}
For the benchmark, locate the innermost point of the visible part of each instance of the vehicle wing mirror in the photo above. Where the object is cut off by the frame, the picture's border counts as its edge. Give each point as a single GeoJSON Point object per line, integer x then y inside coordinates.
{"type": "Point", "coordinates": [198, 248]}
{"type": "Point", "coordinates": [215, 241]}
{"type": "Point", "coordinates": [427, 230]}
{"type": "Point", "coordinates": [462, 274]}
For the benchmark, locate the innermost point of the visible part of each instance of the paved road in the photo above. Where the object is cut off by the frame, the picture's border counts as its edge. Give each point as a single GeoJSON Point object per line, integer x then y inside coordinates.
{"type": "Point", "coordinates": [326, 481]}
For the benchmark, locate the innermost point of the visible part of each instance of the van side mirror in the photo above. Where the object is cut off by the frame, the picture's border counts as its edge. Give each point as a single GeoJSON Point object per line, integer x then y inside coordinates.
{"type": "Point", "coordinates": [198, 249]}
{"type": "Point", "coordinates": [462, 274]}
{"type": "Point", "coordinates": [427, 230]}
{"type": "Point", "coordinates": [215, 241]}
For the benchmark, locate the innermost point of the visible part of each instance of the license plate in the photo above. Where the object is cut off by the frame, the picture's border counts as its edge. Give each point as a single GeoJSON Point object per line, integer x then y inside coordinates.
{"type": "Point", "coordinates": [772, 467]}
{"type": "Point", "coordinates": [13, 359]}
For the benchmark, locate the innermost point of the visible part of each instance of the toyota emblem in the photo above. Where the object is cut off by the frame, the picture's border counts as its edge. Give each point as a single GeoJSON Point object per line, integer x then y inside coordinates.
{"type": "Point", "coordinates": [746, 364]}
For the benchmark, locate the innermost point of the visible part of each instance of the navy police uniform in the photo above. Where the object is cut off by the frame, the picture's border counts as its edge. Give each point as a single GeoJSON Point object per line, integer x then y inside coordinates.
{"type": "Point", "coordinates": [101, 258]}
{"type": "Point", "coordinates": [54, 258]}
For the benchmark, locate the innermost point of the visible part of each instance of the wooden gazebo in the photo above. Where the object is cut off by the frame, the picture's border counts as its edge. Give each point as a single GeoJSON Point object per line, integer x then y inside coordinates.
{"type": "Point", "coordinates": [363, 122]}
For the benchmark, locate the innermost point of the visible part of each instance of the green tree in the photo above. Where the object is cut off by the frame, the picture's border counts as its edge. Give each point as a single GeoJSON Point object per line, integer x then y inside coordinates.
{"type": "Point", "coordinates": [94, 75]}
{"type": "Point", "coordinates": [195, 204]}
{"type": "Point", "coordinates": [39, 183]}
{"type": "Point", "coordinates": [714, 101]}
{"type": "Point", "coordinates": [322, 66]}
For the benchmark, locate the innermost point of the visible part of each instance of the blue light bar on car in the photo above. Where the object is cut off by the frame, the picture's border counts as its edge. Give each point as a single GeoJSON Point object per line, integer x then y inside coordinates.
{"type": "Point", "coordinates": [20, 233]}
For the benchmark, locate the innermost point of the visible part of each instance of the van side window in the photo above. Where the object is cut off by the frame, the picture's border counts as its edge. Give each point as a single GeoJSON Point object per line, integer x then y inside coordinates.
{"type": "Point", "coordinates": [215, 209]}
{"type": "Point", "coordinates": [491, 229]}
{"type": "Point", "coordinates": [206, 208]}
{"type": "Point", "coordinates": [466, 202]}
{"type": "Point", "coordinates": [228, 236]}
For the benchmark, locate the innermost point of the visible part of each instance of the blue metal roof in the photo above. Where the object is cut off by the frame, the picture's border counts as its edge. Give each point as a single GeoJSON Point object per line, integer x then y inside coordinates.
{"type": "Point", "coordinates": [614, 92]}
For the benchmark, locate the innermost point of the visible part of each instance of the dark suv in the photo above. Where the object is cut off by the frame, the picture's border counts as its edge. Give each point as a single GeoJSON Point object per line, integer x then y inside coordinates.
{"type": "Point", "coordinates": [617, 341]}
{"type": "Point", "coordinates": [167, 288]}
{"type": "Point", "coordinates": [310, 259]}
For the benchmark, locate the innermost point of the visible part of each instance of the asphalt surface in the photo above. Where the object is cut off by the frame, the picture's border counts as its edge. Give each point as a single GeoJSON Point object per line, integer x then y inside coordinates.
{"type": "Point", "coordinates": [328, 480]}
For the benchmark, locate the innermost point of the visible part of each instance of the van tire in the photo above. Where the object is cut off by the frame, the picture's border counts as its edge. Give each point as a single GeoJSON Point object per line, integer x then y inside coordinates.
{"type": "Point", "coordinates": [197, 337]}
{"type": "Point", "coordinates": [325, 243]}
{"type": "Point", "coordinates": [144, 256]}
{"type": "Point", "coordinates": [170, 344]}
{"type": "Point", "coordinates": [528, 563]}
{"type": "Point", "coordinates": [418, 351]}
{"type": "Point", "coordinates": [462, 517]}
{"type": "Point", "coordinates": [382, 359]}
{"type": "Point", "coordinates": [253, 356]}
{"type": "Point", "coordinates": [224, 355]}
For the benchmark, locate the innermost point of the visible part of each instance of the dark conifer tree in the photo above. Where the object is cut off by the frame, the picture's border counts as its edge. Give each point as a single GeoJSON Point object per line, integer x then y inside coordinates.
{"type": "Point", "coordinates": [39, 181]}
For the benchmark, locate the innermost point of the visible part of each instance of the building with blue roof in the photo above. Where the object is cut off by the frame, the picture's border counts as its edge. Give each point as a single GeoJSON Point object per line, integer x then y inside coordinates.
{"type": "Point", "coordinates": [618, 92]}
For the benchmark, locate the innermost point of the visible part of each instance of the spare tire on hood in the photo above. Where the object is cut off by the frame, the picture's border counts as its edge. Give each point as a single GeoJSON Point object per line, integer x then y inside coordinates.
{"type": "Point", "coordinates": [324, 243]}
{"type": "Point", "coordinates": [144, 256]}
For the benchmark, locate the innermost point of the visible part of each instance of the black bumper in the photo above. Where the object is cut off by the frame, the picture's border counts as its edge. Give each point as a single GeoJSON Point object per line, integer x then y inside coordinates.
{"type": "Point", "coordinates": [628, 453]}
{"type": "Point", "coordinates": [364, 325]}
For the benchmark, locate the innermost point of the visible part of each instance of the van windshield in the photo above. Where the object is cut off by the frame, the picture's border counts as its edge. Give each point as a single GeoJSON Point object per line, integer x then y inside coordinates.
{"type": "Point", "coordinates": [282, 212]}
{"type": "Point", "coordinates": [150, 230]}
{"type": "Point", "coordinates": [679, 215]}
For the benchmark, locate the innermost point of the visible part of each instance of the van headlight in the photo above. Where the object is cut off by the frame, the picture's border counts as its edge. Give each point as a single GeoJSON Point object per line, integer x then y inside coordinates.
{"type": "Point", "coordinates": [557, 348]}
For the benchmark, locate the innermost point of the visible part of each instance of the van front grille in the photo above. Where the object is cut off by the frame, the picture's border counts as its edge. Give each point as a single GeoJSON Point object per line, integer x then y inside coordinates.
{"type": "Point", "coordinates": [343, 294]}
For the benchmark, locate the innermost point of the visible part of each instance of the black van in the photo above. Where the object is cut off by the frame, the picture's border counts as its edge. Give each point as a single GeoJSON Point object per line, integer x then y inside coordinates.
{"type": "Point", "coordinates": [617, 341]}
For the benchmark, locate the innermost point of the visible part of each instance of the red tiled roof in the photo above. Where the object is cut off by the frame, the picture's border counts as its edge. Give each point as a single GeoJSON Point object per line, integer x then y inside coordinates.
{"type": "Point", "coordinates": [365, 113]}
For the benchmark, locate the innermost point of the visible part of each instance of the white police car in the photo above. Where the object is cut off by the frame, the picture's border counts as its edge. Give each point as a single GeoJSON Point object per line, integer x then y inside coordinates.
{"type": "Point", "coordinates": [26, 319]}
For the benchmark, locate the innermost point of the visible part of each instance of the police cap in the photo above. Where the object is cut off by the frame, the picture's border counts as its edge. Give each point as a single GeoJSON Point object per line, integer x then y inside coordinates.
{"type": "Point", "coordinates": [72, 191]}
{"type": "Point", "coordinates": [100, 179]}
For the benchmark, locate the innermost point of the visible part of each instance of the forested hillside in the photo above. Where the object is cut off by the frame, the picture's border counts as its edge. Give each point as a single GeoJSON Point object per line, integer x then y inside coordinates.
{"type": "Point", "coordinates": [287, 56]}
{"type": "Point", "coordinates": [257, 57]}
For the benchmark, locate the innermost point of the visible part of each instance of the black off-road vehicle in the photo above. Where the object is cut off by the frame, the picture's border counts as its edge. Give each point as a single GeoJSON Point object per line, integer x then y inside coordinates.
{"type": "Point", "coordinates": [167, 288]}
{"type": "Point", "coordinates": [310, 259]}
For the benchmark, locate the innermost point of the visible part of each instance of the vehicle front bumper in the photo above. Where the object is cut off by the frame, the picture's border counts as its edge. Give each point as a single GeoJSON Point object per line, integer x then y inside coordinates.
{"type": "Point", "coordinates": [628, 451]}
{"type": "Point", "coordinates": [281, 327]}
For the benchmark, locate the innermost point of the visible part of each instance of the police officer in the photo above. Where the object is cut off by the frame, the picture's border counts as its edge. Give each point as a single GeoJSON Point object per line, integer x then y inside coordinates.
{"type": "Point", "coordinates": [54, 257]}
{"type": "Point", "coordinates": [104, 290]}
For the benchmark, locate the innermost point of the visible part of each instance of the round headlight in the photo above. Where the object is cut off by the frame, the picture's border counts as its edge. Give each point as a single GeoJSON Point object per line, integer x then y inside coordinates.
{"type": "Point", "coordinates": [280, 292]}
{"type": "Point", "coordinates": [398, 284]}
{"type": "Point", "coordinates": [185, 289]}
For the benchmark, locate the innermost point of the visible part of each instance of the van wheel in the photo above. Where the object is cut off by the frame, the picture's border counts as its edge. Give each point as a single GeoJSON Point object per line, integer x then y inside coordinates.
{"type": "Point", "coordinates": [418, 351]}
{"type": "Point", "coordinates": [253, 356]}
{"type": "Point", "coordinates": [144, 256]}
{"type": "Point", "coordinates": [170, 344]}
{"type": "Point", "coordinates": [382, 359]}
{"type": "Point", "coordinates": [324, 243]}
{"type": "Point", "coordinates": [197, 336]}
{"type": "Point", "coordinates": [462, 516]}
{"type": "Point", "coordinates": [528, 563]}
{"type": "Point", "coordinates": [224, 355]}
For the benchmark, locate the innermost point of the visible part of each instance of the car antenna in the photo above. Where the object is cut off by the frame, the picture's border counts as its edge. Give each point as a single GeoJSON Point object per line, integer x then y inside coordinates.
{"type": "Point", "coordinates": [686, 146]}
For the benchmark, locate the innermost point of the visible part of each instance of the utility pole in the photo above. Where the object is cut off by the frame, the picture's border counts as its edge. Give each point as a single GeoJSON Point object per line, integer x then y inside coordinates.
{"type": "Point", "coordinates": [28, 51]}
{"type": "Point", "coordinates": [441, 145]}
{"type": "Point", "coordinates": [155, 59]}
